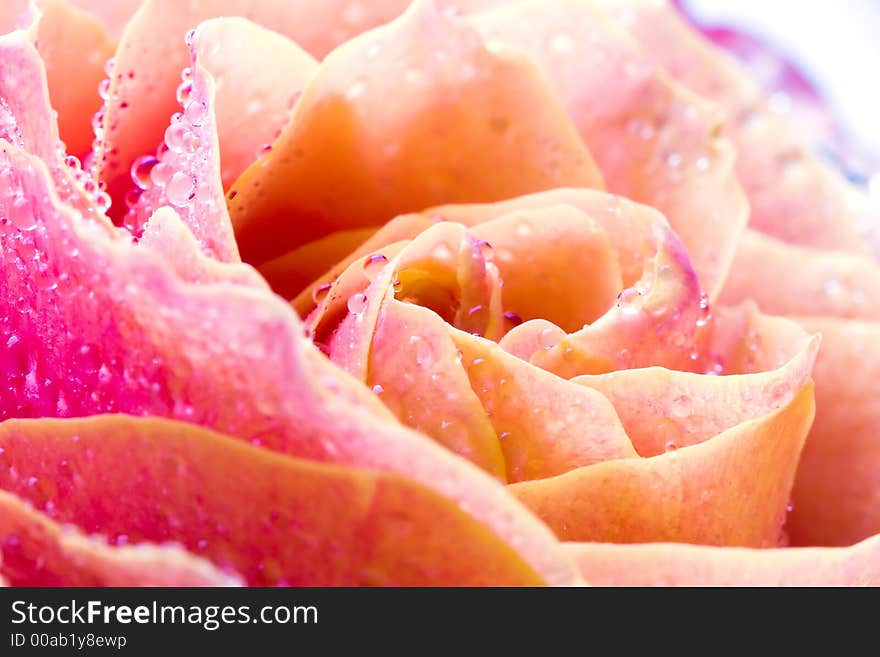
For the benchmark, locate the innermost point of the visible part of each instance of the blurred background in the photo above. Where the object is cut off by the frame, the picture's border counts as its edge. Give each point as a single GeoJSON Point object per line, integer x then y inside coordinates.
{"type": "Point", "coordinates": [819, 60]}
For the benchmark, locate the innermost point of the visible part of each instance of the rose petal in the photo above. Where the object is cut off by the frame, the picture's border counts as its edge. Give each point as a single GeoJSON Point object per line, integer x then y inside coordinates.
{"type": "Point", "coordinates": [151, 55]}
{"type": "Point", "coordinates": [28, 121]}
{"type": "Point", "coordinates": [291, 274]}
{"type": "Point", "coordinates": [730, 490]}
{"type": "Point", "coordinates": [835, 283]}
{"type": "Point", "coordinates": [15, 15]}
{"type": "Point", "coordinates": [630, 229]}
{"type": "Point", "coordinates": [692, 565]}
{"type": "Point", "coordinates": [654, 141]}
{"type": "Point", "coordinates": [225, 356]}
{"type": "Point", "coordinates": [420, 378]}
{"type": "Point", "coordinates": [173, 241]}
{"type": "Point", "coordinates": [546, 425]}
{"type": "Point", "coordinates": [112, 15]}
{"type": "Point", "coordinates": [37, 551]}
{"type": "Point", "coordinates": [398, 230]}
{"type": "Point", "coordinates": [74, 47]}
{"type": "Point", "coordinates": [656, 322]}
{"type": "Point", "coordinates": [187, 173]}
{"type": "Point", "coordinates": [793, 195]}
{"type": "Point", "coordinates": [528, 247]}
{"type": "Point", "coordinates": [289, 521]}
{"type": "Point", "coordinates": [836, 494]}
{"type": "Point", "coordinates": [350, 159]}
{"type": "Point", "coordinates": [254, 101]}
{"type": "Point", "coordinates": [659, 407]}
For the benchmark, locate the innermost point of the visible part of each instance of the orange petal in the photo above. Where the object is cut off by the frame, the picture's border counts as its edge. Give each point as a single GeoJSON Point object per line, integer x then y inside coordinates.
{"type": "Point", "coordinates": [835, 283]}
{"type": "Point", "coordinates": [350, 159]}
{"type": "Point", "coordinates": [655, 322]}
{"type": "Point", "coordinates": [419, 375]}
{"type": "Point", "coordinates": [629, 227]}
{"type": "Point", "coordinates": [226, 356]}
{"type": "Point", "coordinates": [692, 565]}
{"type": "Point", "coordinates": [254, 101]}
{"type": "Point", "coordinates": [291, 274]}
{"type": "Point", "coordinates": [37, 551]}
{"type": "Point", "coordinates": [546, 425]}
{"type": "Point", "coordinates": [289, 521]}
{"type": "Point", "coordinates": [151, 55]}
{"type": "Point", "coordinates": [654, 141]}
{"type": "Point", "coordinates": [836, 494]}
{"type": "Point", "coordinates": [528, 247]}
{"type": "Point", "coordinates": [112, 15]}
{"type": "Point", "coordinates": [440, 380]}
{"type": "Point", "coordinates": [74, 47]}
{"type": "Point", "coordinates": [793, 195]}
{"type": "Point", "coordinates": [730, 490]}
{"type": "Point", "coordinates": [660, 407]}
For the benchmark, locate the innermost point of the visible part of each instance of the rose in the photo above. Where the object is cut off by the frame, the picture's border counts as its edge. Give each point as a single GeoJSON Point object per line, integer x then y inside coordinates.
{"type": "Point", "coordinates": [110, 327]}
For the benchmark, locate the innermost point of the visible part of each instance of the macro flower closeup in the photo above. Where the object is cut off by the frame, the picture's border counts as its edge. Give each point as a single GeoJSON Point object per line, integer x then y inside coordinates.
{"type": "Point", "coordinates": [431, 293]}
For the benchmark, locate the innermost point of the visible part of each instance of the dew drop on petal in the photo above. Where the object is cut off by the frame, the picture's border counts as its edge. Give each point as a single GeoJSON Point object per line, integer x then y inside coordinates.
{"type": "Point", "coordinates": [373, 265]}
{"type": "Point", "coordinates": [319, 293]}
{"type": "Point", "coordinates": [184, 92]}
{"type": "Point", "coordinates": [550, 337]}
{"type": "Point", "coordinates": [104, 89]}
{"type": "Point", "coordinates": [180, 188]}
{"type": "Point", "coordinates": [357, 303]}
{"type": "Point", "coordinates": [161, 173]}
{"type": "Point", "coordinates": [196, 112]}
{"type": "Point", "coordinates": [141, 169]}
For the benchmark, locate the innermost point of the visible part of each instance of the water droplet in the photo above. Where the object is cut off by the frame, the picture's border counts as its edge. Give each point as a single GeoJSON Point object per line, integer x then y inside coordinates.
{"type": "Point", "coordinates": [513, 318]}
{"type": "Point", "coordinates": [184, 92]}
{"type": "Point", "coordinates": [12, 341]}
{"type": "Point", "coordinates": [832, 287]}
{"type": "Point", "coordinates": [703, 163]}
{"type": "Point", "coordinates": [485, 249]}
{"type": "Point", "coordinates": [673, 159]}
{"type": "Point", "coordinates": [681, 406]}
{"type": "Point", "coordinates": [424, 356]}
{"type": "Point", "coordinates": [73, 162]}
{"type": "Point", "coordinates": [103, 201]}
{"type": "Point", "coordinates": [356, 90]}
{"type": "Point", "coordinates": [104, 88]}
{"type": "Point", "coordinates": [643, 129]}
{"type": "Point", "coordinates": [161, 173]}
{"type": "Point", "coordinates": [442, 252]}
{"type": "Point", "coordinates": [378, 389]}
{"type": "Point", "coordinates": [196, 112]}
{"type": "Point", "coordinates": [550, 337]}
{"type": "Point", "coordinates": [357, 303]}
{"type": "Point", "coordinates": [373, 265]}
{"type": "Point", "coordinates": [180, 189]}
{"type": "Point", "coordinates": [523, 229]}
{"type": "Point", "coordinates": [110, 67]}
{"type": "Point", "coordinates": [705, 312]}
{"type": "Point", "coordinates": [189, 37]}
{"type": "Point", "coordinates": [319, 293]}
{"type": "Point", "coordinates": [141, 169]}
{"type": "Point", "coordinates": [670, 446]}
{"type": "Point", "coordinates": [179, 138]}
